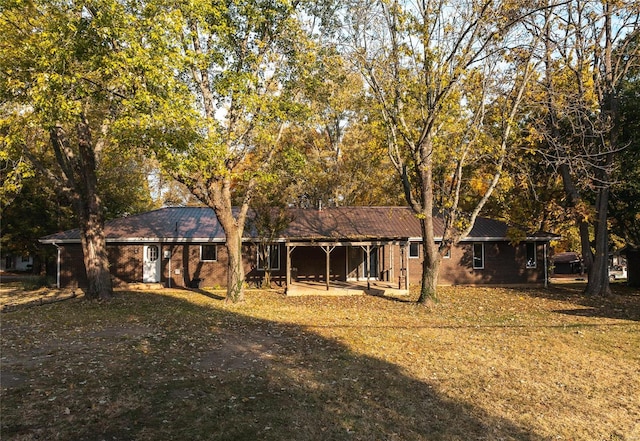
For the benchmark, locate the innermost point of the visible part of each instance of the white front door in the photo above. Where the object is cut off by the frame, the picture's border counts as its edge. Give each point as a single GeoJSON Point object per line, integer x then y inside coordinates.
{"type": "Point", "coordinates": [151, 264]}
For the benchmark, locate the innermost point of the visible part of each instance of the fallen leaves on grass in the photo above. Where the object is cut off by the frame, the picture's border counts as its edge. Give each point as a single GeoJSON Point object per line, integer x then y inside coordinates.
{"type": "Point", "coordinates": [482, 364]}
{"type": "Point", "coordinates": [13, 298]}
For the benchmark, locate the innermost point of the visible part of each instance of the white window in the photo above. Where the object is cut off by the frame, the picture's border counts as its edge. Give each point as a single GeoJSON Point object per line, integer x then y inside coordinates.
{"type": "Point", "coordinates": [271, 254]}
{"type": "Point", "coordinates": [414, 250]}
{"type": "Point", "coordinates": [208, 253]}
{"type": "Point", "coordinates": [152, 253]}
{"type": "Point", "coordinates": [478, 256]}
{"type": "Point", "coordinates": [532, 260]}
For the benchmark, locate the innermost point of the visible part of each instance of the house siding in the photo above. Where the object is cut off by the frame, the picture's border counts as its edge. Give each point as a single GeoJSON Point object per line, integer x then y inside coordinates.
{"type": "Point", "coordinates": [504, 264]}
{"type": "Point", "coordinates": [72, 272]}
{"type": "Point", "coordinates": [179, 228]}
{"type": "Point", "coordinates": [185, 266]}
{"type": "Point", "coordinates": [125, 263]}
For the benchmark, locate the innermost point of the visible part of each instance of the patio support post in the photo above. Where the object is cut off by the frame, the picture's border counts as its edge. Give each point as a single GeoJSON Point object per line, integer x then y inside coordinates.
{"type": "Point", "coordinates": [391, 263]}
{"type": "Point", "coordinates": [367, 268]}
{"type": "Point", "coordinates": [288, 268]}
{"type": "Point", "coordinates": [57, 265]}
{"type": "Point", "coordinates": [346, 262]}
{"type": "Point", "coordinates": [328, 266]}
{"type": "Point", "coordinates": [406, 265]}
{"type": "Point", "coordinates": [327, 249]}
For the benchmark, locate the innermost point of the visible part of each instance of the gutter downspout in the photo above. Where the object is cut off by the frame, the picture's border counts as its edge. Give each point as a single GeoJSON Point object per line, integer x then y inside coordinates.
{"type": "Point", "coordinates": [57, 266]}
{"type": "Point", "coordinates": [170, 274]}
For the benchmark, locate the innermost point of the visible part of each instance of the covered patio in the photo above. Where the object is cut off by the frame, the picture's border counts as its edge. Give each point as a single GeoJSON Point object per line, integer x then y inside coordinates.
{"type": "Point", "coordinates": [349, 266]}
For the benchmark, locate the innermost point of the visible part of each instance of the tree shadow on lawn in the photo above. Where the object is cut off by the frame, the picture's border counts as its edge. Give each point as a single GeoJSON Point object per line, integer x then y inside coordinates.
{"type": "Point", "coordinates": [623, 304]}
{"type": "Point", "coordinates": [212, 374]}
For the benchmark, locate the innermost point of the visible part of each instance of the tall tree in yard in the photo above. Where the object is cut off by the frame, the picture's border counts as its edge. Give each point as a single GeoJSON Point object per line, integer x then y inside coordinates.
{"type": "Point", "coordinates": [625, 195]}
{"type": "Point", "coordinates": [588, 53]}
{"type": "Point", "coordinates": [447, 77]}
{"type": "Point", "coordinates": [240, 58]}
{"type": "Point", "coordinates": [74, 76]}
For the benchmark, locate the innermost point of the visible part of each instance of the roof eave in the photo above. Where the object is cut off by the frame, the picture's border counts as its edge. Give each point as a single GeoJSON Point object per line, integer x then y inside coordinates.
{"type": "Point", "coordinates": [140, 240]}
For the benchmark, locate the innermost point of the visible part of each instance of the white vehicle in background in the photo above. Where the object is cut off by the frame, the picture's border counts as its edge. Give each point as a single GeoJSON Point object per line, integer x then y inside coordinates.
{"type": "Point", "coordinates": [617, 272]}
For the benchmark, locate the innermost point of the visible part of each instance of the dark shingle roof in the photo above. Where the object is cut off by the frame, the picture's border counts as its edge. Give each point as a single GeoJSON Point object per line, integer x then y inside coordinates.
{"type": "Point", "coordinates": [337, 223]}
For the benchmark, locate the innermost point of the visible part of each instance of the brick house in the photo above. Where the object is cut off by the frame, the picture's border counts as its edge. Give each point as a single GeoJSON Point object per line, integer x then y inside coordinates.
{"type": "Point", "coordinates": [184, 247]}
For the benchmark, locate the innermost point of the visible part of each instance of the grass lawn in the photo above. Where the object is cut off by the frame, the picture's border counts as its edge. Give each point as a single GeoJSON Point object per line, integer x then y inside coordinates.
{"type": "Point", "coordinates": [484, 364]}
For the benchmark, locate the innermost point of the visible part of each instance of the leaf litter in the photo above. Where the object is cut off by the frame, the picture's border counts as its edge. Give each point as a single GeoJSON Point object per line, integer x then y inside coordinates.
{"type": "Point", "coordinates": [482, 364]}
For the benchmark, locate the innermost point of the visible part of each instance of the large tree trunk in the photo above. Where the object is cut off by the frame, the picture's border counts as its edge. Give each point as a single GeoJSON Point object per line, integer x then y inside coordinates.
{"type": "Point", "coordinates": [431, 260]}
{"type": "Point", "coordinates": [96, 263]}
{"type": "Point", "coordinates": [430, 272]}
{"type": "Point", "coordinates": [219, 198]}
{"type": "Point", "coordinates": [89, 211]}
{"type": "Point", "coordinates": [235, 270]}
{"type": "Point", "coordinates": [598, 283]}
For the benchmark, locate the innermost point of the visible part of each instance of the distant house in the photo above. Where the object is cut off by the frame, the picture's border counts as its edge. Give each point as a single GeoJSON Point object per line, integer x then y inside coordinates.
{"type": "Point", "coordinates": [184, 246]}
{"type": "Point", "coordinates": [567, 263]}
{"type": "Point", "coordinates": [16, 262]}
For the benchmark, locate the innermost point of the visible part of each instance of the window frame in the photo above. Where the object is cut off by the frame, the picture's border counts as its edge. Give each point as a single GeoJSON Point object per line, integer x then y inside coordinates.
{"type": "Point", "coordinates": [534, 264]}
{"type": "Point", "coordinates": [417, 245]}
{"type": "Point", "coordinates": [271, 248]}
{"type": "Point", "coordinates": [215, 252]}
{"type": "Point", "coordinates": [482, 257]}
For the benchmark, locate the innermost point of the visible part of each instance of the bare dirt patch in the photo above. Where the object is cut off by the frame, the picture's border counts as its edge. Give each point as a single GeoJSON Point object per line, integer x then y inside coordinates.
{"type": "Point", "coordinates": [240, 352]}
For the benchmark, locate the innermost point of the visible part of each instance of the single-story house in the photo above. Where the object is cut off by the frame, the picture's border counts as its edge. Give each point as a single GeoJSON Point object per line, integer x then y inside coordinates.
{"type": "Point", "coordinates": [567, 263]}
{"type": "Point", "coordinates": [184, 247]}
{"type": "Point", "coordinates": [16, 262]}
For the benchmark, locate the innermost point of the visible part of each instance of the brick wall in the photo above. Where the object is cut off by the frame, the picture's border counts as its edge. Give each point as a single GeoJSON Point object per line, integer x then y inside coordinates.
{"type": "Point", "coordinates": [503, 264]}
